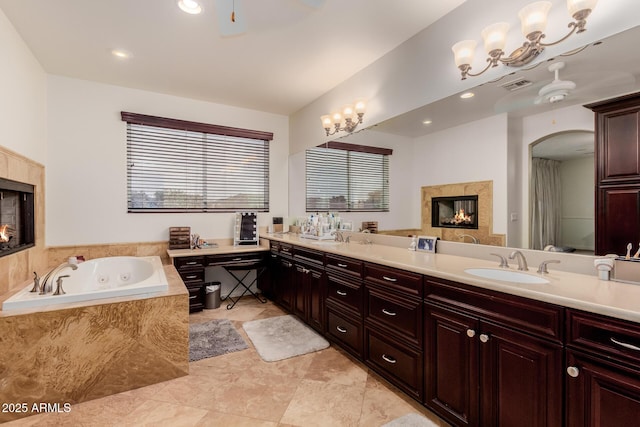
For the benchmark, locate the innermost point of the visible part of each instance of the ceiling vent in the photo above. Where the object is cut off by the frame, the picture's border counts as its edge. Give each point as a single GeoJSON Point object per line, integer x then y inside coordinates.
{"type": "Point", "coordinates": [516, 84]}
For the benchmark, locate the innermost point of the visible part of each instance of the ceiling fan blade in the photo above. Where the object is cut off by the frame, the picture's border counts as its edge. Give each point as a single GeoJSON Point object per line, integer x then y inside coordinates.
{"type": "Point", "coordinates": [313, 3]}
{"type": "Point", "coordinates": [224, 10]}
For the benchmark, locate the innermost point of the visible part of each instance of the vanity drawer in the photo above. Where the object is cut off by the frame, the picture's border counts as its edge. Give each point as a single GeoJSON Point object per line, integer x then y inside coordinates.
{"type": "Point", "coordinates": [345, 292]}
{"type": "Point", "coordinates": [196, 298]}
{"type": "Point", "coordinates": [345, 330]}
{"type": "Point", "coordinates": [350, 266]}
{"type": "Point", "coordinates": [404, 281]}
{"type": "Point", "coordinates": [400, 365]}
{"type": "Point", "coordinates": [401, 316]}
{"type": "Point", "coordinates": [189, 262]}
{"type": "Point", "coordinates": [226, 259]}
{"type": "Point", "coordinates": [524, 314]}
{"type": "Point", "coordinates": [192, 277]}
{"type": "Point", "coordinates": [308, 255]}
{"type": "Point", "coordinates": [603, 335]}
{"type": "Point", "coordinates": [286, 249]}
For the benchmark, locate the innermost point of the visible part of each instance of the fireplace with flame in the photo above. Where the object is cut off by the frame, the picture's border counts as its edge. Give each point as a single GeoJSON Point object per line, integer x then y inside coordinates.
{"type": "Point", "coordinates": [454, 212]}
{"type": "Point", "coordinates": [17, 231]}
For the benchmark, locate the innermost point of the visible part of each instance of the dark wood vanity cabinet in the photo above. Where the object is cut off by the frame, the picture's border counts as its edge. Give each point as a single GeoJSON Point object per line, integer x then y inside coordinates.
{"type": "Point", "coordinates": [603, 371]}
{"type": "Point", "coordinates": [191, 271]}
{"type": "Point", "coordinates": [617, 157]}
{"type": "Point", "coordinates": [491, 359]}
{"type": "Point", "coordinates": [309, 283]}
{"type": "Point", "coordinates": [393, 326]}
{"type": "Point", "coordinates": [344, 303]}
{"type": "Point", "coordinates": [282, 275]}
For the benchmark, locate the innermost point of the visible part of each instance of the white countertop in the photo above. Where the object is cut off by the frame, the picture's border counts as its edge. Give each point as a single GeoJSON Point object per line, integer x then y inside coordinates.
{"type": "Point", "coordinates": [217, 250]}
{"type": "Point", "coordinates": [583, 292]}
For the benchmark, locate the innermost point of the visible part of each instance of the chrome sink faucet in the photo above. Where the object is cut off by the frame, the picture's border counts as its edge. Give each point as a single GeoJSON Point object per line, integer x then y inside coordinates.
{"type": "Point", "coordinates": [522, 261]}
{"type": "Point", "coordinates": [51, 274]}
{"type": "Point", "coordinates": [474, 239]}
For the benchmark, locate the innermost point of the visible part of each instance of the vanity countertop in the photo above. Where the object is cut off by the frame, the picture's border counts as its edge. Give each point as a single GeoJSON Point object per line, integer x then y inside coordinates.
{"type": "Point", "coordinates": [220, 249]}
{"type": "Point", "coordinates": [579, 291]}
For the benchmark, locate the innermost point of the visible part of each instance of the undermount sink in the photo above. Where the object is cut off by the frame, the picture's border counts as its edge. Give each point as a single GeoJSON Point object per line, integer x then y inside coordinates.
{"type": "Point", "coordinates": [506, 275]}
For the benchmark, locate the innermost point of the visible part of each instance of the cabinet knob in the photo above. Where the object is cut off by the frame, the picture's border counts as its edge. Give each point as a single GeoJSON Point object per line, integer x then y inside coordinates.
{"type": "Point", "coordinates": [484, 337]}
{"type": "Point", "coordinates": [573, 371]}
{"type": "Point", "coordinates": [471, 333]}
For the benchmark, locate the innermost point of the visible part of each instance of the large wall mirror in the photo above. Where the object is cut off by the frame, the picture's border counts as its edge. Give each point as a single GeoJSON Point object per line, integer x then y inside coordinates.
{"type": "Point", "coordinates": [492, 137]}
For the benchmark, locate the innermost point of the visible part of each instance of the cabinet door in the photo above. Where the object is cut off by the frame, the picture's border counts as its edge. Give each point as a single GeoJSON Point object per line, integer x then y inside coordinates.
{"type": "Point", "coordinates": [520, 379]}
{"type": "Point", "coordinates": [451, 365]}
{"type": "Point", "coordinates": [285, 284]}
{"type": "Point", "coordinates": [601, 393]}
{"type": "Point", "coordinates": [317, 291]}
{"type": "Point", "coordinates": [619, 148]}
{"type": "Point", "coordinates": [300, 291]}
{"type": "Point", "coordinates": [618, 214]}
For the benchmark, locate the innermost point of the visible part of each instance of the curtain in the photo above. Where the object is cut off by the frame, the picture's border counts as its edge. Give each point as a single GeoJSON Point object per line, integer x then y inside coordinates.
{"type": "Point", "coordinates": [546, 204]}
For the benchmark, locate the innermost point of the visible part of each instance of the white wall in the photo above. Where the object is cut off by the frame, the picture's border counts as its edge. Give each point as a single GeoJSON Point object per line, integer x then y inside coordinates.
{"type": "Point", "coordinates": [23, 96]}
{"type": "Point", "coordinates": [86, 169]}
{"type": "Point", "coordinates": [422, 70]}
{"type": "Point", "coordinates": [578, 203]}
{"type": "Point", "coordinates": [475, 151]}
{"type": "Point", "coordinates": [403, 212]}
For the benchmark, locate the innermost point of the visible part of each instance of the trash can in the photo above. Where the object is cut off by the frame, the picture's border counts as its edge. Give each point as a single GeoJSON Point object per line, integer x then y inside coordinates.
{"type": "Point", "coordinates": [212, 297]}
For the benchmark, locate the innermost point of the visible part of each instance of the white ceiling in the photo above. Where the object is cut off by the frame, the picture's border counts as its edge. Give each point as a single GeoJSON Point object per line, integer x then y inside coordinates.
{"type": "Point", "coordinates": [291, 54]}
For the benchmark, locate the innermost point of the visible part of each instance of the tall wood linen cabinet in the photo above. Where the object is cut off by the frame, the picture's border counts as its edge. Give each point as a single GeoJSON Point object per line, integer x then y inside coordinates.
{"type": "Point", "coordinates": [617, 162]}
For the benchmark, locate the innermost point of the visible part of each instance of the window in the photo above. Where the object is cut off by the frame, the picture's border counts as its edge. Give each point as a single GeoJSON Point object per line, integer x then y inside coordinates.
{"type": "Point", "coordinates": [347, 178]}
{"type": "Point", "coordinates": [179, 166]}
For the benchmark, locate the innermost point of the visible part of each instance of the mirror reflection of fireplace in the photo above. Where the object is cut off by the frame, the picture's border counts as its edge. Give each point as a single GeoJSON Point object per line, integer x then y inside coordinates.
{"type": "Point", "coordinates": [17, 231]}
{"type": "Point", "coordinates": [454, 212]}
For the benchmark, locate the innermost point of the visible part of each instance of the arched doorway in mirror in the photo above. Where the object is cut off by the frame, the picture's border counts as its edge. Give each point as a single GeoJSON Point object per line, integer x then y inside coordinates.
{"type": "Point", "coordinates": [561, 192]}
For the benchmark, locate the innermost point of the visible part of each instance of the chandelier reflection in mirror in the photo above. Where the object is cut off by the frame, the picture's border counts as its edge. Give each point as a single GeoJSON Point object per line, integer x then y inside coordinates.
{"type": "Point", "coordinates": [347, 120]}
{"type": "Point", "coordinates": [533, 18]}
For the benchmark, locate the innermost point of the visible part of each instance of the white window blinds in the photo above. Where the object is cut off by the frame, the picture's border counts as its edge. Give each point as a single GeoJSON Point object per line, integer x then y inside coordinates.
{"type": "Point", "coordinates": [182, 170]}
{"type": "Point", "coordinates": [347, 180]}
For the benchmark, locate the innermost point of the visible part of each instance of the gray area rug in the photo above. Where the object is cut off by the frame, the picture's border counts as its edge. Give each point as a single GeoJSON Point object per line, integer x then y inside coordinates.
{"type": "Point", "coordinates": [214, 338]}
{"type": "Point", "coordinates": [411, 420]}
{"type": "Point", "coordinates": [282, 337]}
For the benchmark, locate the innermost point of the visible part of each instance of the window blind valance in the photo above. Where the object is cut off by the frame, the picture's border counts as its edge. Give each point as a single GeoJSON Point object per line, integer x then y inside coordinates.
{"type": "Point", "coordinates": [179, 166]}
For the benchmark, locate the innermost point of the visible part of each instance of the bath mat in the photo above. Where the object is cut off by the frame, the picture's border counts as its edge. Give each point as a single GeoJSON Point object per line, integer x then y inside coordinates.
{"type": "Point", "coordinates": [214, 338]}
{"type": "Point", "coordinates": [411, 420]}
{"type": "Point", "coordinates": [283, 337]}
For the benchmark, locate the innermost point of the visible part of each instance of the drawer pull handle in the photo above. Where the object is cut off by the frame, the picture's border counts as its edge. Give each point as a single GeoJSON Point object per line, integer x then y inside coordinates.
{"type": "Point", "coordinates": [342, 265]}
{"type": "Point", "coordinates": [193, 297]}
{"type": "Point", "coordinates": [274, 256]}
{"type": "Point", "coordinates": [388, 359]}
{"type": "Point", "coordinates": [573, 371]}
{"type": "Point", "coordinates": [287, 264]}
{"type": "Point", "coordinates": [625, 345]}
{"type": "Point", "coordinates": [471, 333]}
{"type": "Point", "coordinates": [191, 277]}
{"type": "Point", "coordinates": [341, 293]}
{"type": "Point", "coordinates": [389, 279]}
{"type": "Point", "coordinates": [191, 263]}
{"type": "Point", "coordinates": [341, 329]}
{"type": "Point", "coordinates": [388, 313]}
{"type": "Point", "coordinates": [484, 337]}
{"type": "Point", "coordinates": [237, 259]}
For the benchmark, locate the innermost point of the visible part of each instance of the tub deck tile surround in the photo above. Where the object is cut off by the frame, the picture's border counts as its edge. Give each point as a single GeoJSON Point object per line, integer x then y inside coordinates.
{"type": "Point", "coordinates": [78, 352]}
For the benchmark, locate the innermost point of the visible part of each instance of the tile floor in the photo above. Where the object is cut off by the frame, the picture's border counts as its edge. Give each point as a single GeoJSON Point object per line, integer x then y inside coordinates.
{"type": "Point", "coordinates": [326, 388]}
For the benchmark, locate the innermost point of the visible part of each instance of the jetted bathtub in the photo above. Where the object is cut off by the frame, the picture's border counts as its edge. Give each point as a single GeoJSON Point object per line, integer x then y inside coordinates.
{"type": "Point", "coordinates": [98, 279]}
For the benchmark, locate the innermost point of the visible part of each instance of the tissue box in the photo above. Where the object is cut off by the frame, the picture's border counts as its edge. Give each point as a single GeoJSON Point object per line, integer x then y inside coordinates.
{"type": "Point", "coordinates": [627, 270]}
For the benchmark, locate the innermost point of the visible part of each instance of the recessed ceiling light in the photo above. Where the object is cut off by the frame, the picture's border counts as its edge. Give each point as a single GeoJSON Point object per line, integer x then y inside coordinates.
{"type": "Point", "coordinates": [121, 53]}
{"type": "Point", "coordinates": [467, 95]}
{"type": "Point", "coordinates": [190, 6]}
{"type": "Point", "coordinates": [426, 122]}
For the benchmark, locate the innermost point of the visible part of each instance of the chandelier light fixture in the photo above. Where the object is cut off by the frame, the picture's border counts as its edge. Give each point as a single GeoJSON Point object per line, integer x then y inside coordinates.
{"type": "Point", "coordinates": [533, 18]}
{"type": "Point", "coordinates": [347, 120]}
